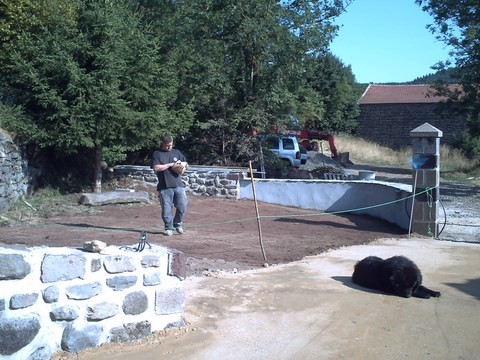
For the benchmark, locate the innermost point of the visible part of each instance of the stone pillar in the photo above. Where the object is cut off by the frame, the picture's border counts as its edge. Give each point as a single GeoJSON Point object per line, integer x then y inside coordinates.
{"type": "Point", "coordinates": [426, 179]}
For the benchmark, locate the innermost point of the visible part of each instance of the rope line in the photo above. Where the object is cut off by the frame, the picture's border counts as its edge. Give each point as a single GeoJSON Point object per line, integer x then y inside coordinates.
{"type": "Point", "coordinates": [430, 205]}
{"type": "Point", "coordinates": [143, 232]}
{"type": "Point", "coordinates": [352, 210]}
{"type": "Point", "coordinates": [429, 196]}
{"type": "Point", "coordinates": [224, 222]}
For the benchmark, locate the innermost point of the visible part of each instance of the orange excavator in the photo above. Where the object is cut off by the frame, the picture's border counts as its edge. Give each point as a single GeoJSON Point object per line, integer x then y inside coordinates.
{"type": "Point", "coordinates": [307, 139]}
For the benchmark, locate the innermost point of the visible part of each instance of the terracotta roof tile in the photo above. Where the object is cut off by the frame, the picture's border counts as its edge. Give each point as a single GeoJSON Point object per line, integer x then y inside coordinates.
{"type": "Point", "coordinates": [399, 94]}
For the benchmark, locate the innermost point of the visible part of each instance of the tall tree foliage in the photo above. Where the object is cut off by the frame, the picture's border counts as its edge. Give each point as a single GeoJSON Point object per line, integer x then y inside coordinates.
{"type": "Point", "coordinates": [21, 14]}
{"type": "Point", "coordinates": [92, 81]}
{"type": "Point", "coordinates": [457, 24]}
{"type": "Point", "coordinates": [92, 76]}
{"type": "Point", "coordinates": [334, 84]}
{"type": "Point", "coordinates": [244, 64]}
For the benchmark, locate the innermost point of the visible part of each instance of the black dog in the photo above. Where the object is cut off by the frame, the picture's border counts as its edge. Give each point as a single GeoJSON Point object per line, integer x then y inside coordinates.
{"type": "Point", "coordinates": [397, 275]}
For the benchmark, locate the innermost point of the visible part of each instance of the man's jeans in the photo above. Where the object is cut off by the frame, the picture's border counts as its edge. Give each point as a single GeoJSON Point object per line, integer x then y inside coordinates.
{"type": "Point", "coordinates": [169, 198]}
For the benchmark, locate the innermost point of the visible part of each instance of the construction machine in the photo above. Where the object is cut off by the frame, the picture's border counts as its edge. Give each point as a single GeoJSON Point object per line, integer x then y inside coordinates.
{"type": "Point", "coordinates": [309, 139]}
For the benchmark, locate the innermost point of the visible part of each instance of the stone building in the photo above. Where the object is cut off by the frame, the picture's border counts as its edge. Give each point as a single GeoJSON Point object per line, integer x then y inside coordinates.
{"type": "Point", "coordinates": [389, 112]}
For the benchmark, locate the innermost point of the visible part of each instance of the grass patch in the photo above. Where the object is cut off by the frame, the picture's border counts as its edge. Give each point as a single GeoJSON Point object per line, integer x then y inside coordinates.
{"type": "Point", "coordinates": [367, 152]}
{"type": "Point", "coordinates": [454, 165]}
{"type": "Point", "coordinates": [469, 177]}
{"type": "Point", "coordinates": [46, 203]}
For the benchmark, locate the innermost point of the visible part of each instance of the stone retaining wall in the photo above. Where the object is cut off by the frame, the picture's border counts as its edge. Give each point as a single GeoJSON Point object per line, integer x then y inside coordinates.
{"type": "Point", "coordinates": [56, 299]}
{"type": "Point", "coordinates": [13, 173]}
{"type": "Point", "coordinates": [198, 180]}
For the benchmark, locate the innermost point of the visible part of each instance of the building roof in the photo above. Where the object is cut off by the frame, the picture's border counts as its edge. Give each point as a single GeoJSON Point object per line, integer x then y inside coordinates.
{"type": "Point", "coordinates": [400, 94]}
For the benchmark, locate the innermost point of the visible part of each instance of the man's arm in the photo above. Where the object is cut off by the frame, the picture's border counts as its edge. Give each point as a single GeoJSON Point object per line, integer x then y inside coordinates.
{"type": "Point", "coordinates": [162, 167]}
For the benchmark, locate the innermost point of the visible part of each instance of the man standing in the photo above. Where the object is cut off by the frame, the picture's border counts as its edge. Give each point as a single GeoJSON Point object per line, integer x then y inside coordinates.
{"type": "Point", "coordinates": [171, 191]}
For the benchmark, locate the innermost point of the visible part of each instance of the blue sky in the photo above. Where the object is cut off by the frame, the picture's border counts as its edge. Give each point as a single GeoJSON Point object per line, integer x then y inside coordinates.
{"type": "Point", "coordinates": [386, 41]}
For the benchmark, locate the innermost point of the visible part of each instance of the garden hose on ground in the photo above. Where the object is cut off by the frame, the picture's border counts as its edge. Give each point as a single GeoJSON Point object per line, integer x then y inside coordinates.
{"type": "Point", "coordinates": [141, 243]}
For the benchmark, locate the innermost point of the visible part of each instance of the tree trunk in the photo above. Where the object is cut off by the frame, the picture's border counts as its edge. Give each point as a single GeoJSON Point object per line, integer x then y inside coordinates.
{"type": "Point", "coordinates": [97, 175]}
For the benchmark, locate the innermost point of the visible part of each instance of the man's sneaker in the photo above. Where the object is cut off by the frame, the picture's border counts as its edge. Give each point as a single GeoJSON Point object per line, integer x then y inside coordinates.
{"type": "Point", "coordinates": [179, 230]}
{"type": "Point", "coordinates": [168, 232]}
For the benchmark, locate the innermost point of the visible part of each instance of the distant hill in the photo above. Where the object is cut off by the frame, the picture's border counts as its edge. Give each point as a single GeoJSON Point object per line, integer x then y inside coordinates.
{"type": "Point", "coordinates": [445, 75]}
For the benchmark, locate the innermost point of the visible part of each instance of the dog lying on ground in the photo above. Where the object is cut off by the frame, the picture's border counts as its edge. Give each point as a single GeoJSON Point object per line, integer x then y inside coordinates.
{"type": "Point", "coordinates": [397, 275]}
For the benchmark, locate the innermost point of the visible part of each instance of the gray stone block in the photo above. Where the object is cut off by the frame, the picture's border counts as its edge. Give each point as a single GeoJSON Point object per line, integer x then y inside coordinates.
{"type": "Point", "coordinates": [119, 283]}
{"type": "Point", "coordinates": [118, 264]}
{"type": "Point", "coordinates": [17, 332]}
{"type": "Point", "coordinates": [169, 301]}
{"type": "Point", "coordinates": [51, 294]}
{"type": "Point", "coordinates": [101, 311]}
{"type": "Point", "coordinates": [135, 303]}
{"type": "Point", "coordinates": [13, 267]}
{"type": "Point", "coordinates": [114, 197]}
{"type": "Point", "coordinates": [20, 301]}
{"type": "Point", "coordinates": [152, 279]}
{"type": "Point", "coordinates": [77, 338]}
{"type": "Point", "coordinates": [95, 265]}
{"type": "Point", "coordinates": [84, 291]}
{"type": "Point", "coordinates": [64, 313]}
{"type": "Point", "coordinates": [151, 261]}
{"type": "Point", "coordinates": [13, 172]}
{"type": "Point", "coordinates": [176, 324]}
{"type": "Point", "coordinates": [4, 204]}
{"type": "Point", "coordinates": [131, 332]}
{"type": "Point", "coordinates": [62, 267]}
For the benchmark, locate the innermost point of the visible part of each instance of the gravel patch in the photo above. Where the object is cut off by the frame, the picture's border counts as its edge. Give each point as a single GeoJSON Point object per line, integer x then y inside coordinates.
{"type": "Point", "coordinates": [460, 212]}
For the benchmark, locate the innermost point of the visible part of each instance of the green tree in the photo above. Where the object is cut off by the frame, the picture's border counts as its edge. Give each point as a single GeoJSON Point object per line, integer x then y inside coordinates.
{"type": "Point", "coordinates": [334, 83]}
{"type": "Point", "coordinates": [457, 24]}
{"type": "Point", "coordinates": [92, 83]}
{"type": "Point", "coordinates": [243, 64]}
{"type": "Point", "coordinates": [16, 16]}
{"type": "Point", "coordinates": [92, 80]}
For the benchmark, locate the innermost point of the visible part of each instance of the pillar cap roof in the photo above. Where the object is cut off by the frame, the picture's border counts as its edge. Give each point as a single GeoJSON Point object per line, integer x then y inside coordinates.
{"type": "Point", "coordinates": [426, 130]}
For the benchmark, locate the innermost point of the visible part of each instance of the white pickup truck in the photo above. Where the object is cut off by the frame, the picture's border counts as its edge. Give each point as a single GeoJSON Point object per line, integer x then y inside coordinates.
{"type": "Point", "coordinates": [286, 148]}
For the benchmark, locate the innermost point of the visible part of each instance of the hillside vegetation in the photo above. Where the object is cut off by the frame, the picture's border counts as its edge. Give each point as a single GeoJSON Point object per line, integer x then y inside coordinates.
{"type": "Point", "coordinates": [454, 165]}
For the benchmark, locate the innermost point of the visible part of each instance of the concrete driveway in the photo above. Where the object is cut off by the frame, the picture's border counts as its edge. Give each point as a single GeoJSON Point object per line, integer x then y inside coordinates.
{"type": "Point", "coordinates": [311, 310]}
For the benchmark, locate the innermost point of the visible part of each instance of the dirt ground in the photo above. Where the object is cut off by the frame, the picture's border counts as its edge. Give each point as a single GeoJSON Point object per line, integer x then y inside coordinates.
{"type": "Point", "coordinates": [220, 234]}
{"type": "Point", "coordinates": [223, 234]}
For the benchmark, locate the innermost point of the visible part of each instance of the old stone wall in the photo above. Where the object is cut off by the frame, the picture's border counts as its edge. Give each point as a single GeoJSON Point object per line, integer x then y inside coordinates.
{"type": "Point", "coordinates": [56, 299]}
{"type": "Point", "coordinates": [390, 124]}
{"type": "Point", "coordinates": [13, 172]}
{"type": "Point", "coordinates": [198, 180]}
